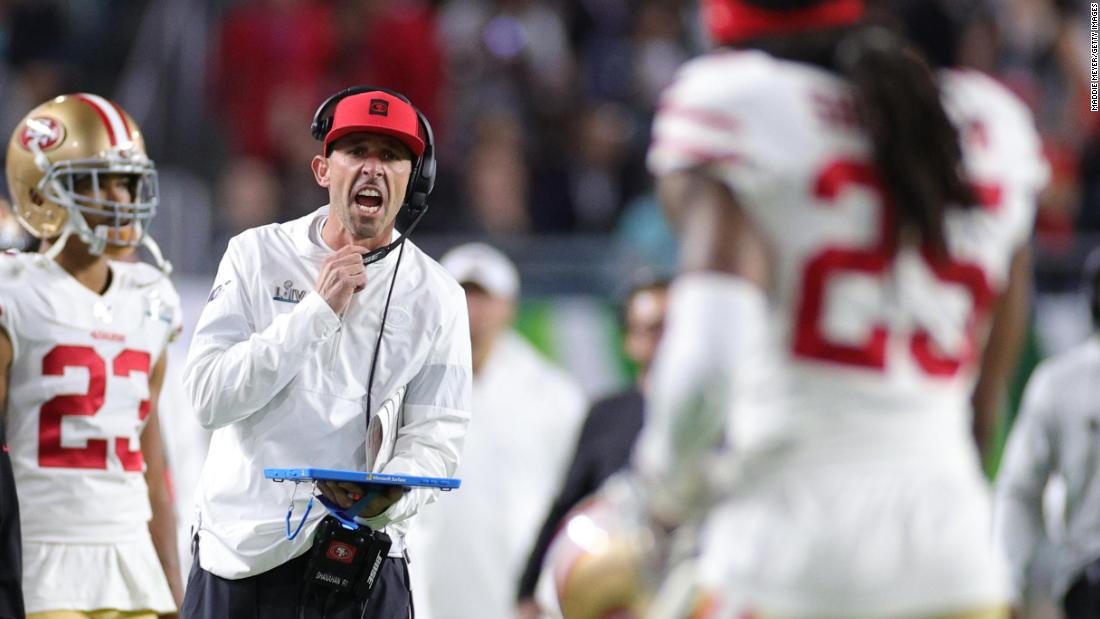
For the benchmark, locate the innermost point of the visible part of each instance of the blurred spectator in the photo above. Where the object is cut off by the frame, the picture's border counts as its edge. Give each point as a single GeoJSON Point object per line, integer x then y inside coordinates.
{"type": "Point", "coordinates": [184, 221]}
{"type": "Point", "coordinates": [289, 137]}
{"type": "Point", "coordinates": [1061, 200]}
{"type": "Point", "coordinates": [595, 177]}
{"type": "Point", "coordinates": [408, 58]}
{"type": "Point", "coordinates": [249, 197]}
{"type": "Point", "coordinates": [510, 55]}
{"type": "Point", "coordinates": [1088, 217]}
{"type": "Point", "coordinates": [1043, 60]}
{"type": "Point", "coordinates": [497, 177]}
{"type": "Point", "coordinates": [526, 415]}
{"type": "Point", "coordinates": [935, 26]}
{"type": "Point", "coordinates": [979, 41]}
{"type": "Point", "coordinates": [33, 72]}
{"type": "Point", "coordinates": [609, 431]}
{"type": "Point", "coordinates": [267, 49]}
{"type": "Point", "coordinates": [600, 31]}
{"type": "Point", "coordinates": [657, 51]}
{"type": "Point", "coordinates": [523, 40]}
{"type": "Point", "coordinates": [644, 237]}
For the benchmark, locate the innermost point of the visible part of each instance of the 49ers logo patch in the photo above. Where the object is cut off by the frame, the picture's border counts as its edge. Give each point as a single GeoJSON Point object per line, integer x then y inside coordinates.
{"type": "Point", "coordinates": [379, 107]}
{"type": "Point", "coordinates": [339, 551]}
{"type": "Point", "coordinates": [47, 132]}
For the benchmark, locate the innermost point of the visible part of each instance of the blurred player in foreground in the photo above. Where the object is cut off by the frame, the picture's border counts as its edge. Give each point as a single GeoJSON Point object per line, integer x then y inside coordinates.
{"type": "Point", "coordinates": [855, 277]}
{"type": "Point", "coordinates": [82, 340]}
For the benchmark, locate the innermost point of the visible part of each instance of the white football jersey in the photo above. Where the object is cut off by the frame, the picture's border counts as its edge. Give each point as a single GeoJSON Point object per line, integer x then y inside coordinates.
{"type": "Point", "coordinates": [78, 394]}
{"type": "Point", "coordinates": [876, 341]}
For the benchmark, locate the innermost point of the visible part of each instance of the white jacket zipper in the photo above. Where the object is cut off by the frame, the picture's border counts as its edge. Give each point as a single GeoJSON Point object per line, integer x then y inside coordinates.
{"type": "Point", "coordinates": [335, 344]}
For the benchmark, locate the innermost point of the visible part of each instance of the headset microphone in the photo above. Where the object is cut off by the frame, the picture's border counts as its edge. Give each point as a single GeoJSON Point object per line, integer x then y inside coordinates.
{"type": "Point", "coordinates": [377, 254]}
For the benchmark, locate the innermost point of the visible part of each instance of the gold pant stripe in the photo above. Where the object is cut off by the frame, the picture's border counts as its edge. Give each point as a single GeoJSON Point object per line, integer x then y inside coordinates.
{"type": "Point", "coordinates": [998, 612]}
{"type": "Point", "coordinates": [106, 613]}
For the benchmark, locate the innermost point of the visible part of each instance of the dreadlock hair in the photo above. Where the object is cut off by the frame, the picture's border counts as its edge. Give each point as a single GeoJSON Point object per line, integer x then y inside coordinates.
{"type": "Point", "coordinates": [916, 147]}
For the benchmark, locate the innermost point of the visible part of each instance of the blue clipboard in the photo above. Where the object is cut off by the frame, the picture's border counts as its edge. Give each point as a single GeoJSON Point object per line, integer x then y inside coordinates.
{"type": "Point", "coordinates": [361, 477]}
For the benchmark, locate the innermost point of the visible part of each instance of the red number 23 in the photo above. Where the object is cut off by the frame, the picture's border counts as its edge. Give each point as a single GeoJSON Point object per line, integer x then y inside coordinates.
{"type": "Point", "coordinates": [875, 260]}
{"type": "Point", "coordinates": [94, 455]}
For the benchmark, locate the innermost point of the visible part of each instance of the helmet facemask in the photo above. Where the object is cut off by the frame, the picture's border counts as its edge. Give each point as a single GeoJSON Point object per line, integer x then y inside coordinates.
{"type": "Point", "coordinates": [117, 228]}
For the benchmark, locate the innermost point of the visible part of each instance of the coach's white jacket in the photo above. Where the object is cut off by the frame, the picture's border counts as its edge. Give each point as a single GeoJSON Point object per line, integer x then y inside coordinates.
{"type": "Point", "coordinates": [282, 381]}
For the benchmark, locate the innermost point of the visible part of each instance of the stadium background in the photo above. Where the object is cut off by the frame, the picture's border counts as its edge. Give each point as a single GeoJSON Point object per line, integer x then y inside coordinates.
{"type": "Point", "coordinates": [542, 113]}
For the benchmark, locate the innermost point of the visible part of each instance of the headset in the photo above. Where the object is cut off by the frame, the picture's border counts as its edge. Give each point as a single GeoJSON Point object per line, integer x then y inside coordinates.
{"type": "Point", "coordinates": [422, 179]}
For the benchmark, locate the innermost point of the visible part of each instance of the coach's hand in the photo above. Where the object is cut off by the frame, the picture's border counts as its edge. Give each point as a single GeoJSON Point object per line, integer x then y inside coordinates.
{"type": "Point", "coordinates": [345, 494]}
{"type": "Point", "coordinates": [342, 275]}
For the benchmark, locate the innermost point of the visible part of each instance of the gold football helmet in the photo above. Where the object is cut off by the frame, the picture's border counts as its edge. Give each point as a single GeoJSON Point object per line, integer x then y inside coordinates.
{"type": "Point", "coordinates": [605, 558]}
{"type": "Point", "coordinates": [59, 157]}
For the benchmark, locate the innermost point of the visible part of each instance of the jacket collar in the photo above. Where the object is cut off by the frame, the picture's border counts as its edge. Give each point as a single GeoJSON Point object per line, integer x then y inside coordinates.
{"type": "Point", "coordinates": [298, 231]}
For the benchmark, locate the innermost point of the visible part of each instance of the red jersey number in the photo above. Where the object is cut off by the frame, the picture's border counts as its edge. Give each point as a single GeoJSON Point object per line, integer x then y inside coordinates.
{"type": "Point", "coordinates": [51, 454]}
{"type": "Point", "coordinates": [875, 260]}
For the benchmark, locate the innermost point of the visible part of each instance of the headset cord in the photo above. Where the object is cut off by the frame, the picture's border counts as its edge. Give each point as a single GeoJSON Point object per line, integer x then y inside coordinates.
{"type": "Point", "coordinates": [381, 330]}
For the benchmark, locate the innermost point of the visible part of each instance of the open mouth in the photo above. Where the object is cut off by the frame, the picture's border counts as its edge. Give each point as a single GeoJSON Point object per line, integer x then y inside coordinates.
{"type": "Point", "coordinates": [369, 200]}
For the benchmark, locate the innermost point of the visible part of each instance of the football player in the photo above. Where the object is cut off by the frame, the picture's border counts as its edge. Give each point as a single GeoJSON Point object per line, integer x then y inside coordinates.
{"type": "Point", "coordinates": [82, 340]}
{"type": "Point", "coordinates": [854, 283]}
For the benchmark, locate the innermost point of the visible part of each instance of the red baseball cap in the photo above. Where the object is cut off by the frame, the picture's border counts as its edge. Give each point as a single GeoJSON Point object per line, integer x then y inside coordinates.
{"type": "Point", "coordinates": [377, 112]}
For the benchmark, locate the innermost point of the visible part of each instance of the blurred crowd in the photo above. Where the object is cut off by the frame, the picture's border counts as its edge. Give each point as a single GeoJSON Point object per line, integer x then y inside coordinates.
{"type": "Point", "coordinates": [541, 108]}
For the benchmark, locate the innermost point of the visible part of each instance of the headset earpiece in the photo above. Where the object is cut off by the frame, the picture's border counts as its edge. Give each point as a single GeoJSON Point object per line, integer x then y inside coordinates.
{"type": "Point", "coordinates": [422, 184]}
{"type": "Point", "coordinates": [319, 128]}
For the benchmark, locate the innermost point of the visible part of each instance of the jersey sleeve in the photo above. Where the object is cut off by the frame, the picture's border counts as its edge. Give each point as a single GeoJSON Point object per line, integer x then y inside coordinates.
{"type": "Point", "coordinates": [11, 270]}
{"type": "Point", "coordinates": [708, 120]}
{"type": "Point", "coordinates": [1026, 169]}
{"type": "Point", "coordinates": [1002, 148]}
